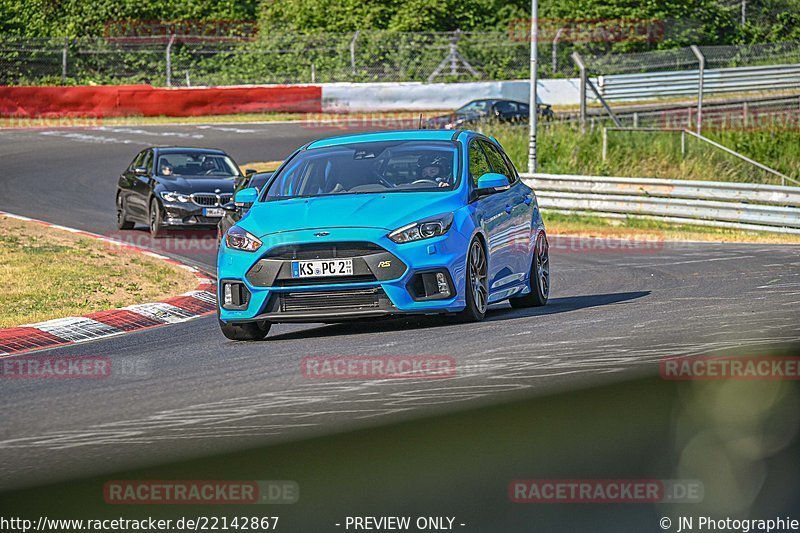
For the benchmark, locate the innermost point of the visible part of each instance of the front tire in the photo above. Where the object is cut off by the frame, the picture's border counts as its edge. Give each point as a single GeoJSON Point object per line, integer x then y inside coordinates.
{"type": "Point", "coordinates": [539, 277]}
{"type": "Point", "coordinates": [154, 217]}
{"type": "Point", "coordinates": [477, 285]}
{"type": "Point", "coordinates": [246, 331]}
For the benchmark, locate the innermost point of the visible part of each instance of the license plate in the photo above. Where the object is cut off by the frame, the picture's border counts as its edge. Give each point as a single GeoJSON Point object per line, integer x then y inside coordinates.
{"type": "Point", "coordinates": [213, 212]}
{"type": "Point", "coordinates": [327, 267]}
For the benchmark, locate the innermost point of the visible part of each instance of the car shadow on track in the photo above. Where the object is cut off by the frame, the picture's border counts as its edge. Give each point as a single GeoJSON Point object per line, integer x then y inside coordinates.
{"type": "Point", "coordinates": [501, 311]}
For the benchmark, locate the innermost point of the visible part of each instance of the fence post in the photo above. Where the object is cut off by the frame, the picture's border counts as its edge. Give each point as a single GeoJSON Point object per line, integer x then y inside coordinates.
{"type": "Point", "coordinates": [555, 50]}
{"type": "Point", "coordinates": [169, 60]}
{"type": "Point", "coordinates": [605, 143]}
{"type": "Point", "coordinates": [64, 60]}
{"type": "Point", "coordinates": [353, 51]}
{"type": "Point", "coordinates": [744, 114]}
{"type": "Point", "coordinates": [576, 57]}
{"type": "Point", "coordinates": [701, 74]}
{"type": "Point", "coordinates": [635, 119]}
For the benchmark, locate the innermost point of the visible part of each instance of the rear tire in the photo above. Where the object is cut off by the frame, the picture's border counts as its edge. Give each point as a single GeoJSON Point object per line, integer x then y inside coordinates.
{"type": "Point", "coordinates": [539, 278]}
{"type": "Point", "coordinates": [477, 285]}
{"type": "Point", "coordinates": [122, 214]}
{"type": "Point", "coordinates": [245, 331]}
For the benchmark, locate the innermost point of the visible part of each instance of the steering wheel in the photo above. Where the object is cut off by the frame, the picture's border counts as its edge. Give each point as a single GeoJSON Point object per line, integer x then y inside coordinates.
{"type": "Point", "coordinates": [434, 183]}
{"type": "Point", "coordinates": [383, 182]}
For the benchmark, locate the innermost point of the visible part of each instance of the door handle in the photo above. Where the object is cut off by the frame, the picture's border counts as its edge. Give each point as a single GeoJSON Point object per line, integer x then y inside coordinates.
{"type": "Point", "coordinates": [528, 200]}
{"type": "Point", "coordinates": [509, 209]}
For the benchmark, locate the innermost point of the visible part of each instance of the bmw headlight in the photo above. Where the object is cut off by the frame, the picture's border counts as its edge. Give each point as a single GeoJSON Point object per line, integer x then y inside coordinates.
{"type": "Point", "coordinates": [175, 197]}
{"type": "Point", "coordinates": [424, 229]}
{"type": "Point", "coordinates": [239, 239]}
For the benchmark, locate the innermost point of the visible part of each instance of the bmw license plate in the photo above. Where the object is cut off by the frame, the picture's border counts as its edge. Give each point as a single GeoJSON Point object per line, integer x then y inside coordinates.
{"type": "Point", "coordinates": [327, 267]}
{"type": "Point", "coordinates": [213, 212]}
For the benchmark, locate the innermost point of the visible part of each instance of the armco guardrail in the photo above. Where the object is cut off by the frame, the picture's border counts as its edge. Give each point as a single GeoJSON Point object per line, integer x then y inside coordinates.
{"type": "Point", "coordinates": [723, 80]}
{"type": "Point", "coordinates": [735, 205]}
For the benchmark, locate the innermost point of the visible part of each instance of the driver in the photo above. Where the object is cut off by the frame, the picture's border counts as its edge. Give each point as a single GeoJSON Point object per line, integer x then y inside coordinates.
{"type": "Point", "coordinates": [208, 165]}
{"type": "Point", "coordinates": [166, 169]}
{"type": "Point", "coordinates": [435, 168]}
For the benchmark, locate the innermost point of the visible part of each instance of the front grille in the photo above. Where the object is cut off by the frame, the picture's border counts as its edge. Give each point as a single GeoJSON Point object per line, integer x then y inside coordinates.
{"type": "Point", "coordinates": [209, 199]}
{"type": "Point", "coordinates": [353, 300]}
{"type": "Point", "coordinates": [333, 250]}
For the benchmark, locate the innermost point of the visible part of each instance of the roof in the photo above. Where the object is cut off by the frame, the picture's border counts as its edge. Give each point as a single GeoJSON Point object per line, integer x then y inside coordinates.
{"type": "Point", "coordinates": [174, 149]}
{"type": "Point", "coordinates": [403, 135]}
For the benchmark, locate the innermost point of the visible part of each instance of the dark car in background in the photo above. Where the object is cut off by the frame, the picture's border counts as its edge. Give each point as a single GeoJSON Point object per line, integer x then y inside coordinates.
{"type": "Point", "coordinates": [176, 187]}
{"type": "Point", "coordinates": [489, 110]}
{"type": "Point", "coordinates": [234, 212]}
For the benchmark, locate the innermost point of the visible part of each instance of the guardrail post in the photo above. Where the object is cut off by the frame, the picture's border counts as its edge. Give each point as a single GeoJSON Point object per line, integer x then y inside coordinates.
{"type": "Point", "coordinates": [605, 143]}
{"type": "Point", "coordinates": [169, 60]}
{"type": "Point", "coordinates": [635, 119]}
{"type": "Point", "coordinates": [683, 144]}
{"type": "Point", "coordinates": [576, 57]}
{"type": "Point", "coordinates": [701, 75]}
{"type": "Point", "coordinates": [64, 60]}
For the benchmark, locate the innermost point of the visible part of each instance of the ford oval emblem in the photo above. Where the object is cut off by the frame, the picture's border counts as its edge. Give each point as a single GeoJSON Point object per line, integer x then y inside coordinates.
{"type": "Point", "coordinates": [322, 234]}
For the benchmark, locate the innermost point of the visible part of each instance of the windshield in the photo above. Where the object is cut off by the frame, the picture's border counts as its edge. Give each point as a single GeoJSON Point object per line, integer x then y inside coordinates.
{"type": "Point", "coordinates": [480, 107]}
{"type": "Point", "coordinates": [374, 167]}
{"type": "Point", "coordinates": [196, 165]}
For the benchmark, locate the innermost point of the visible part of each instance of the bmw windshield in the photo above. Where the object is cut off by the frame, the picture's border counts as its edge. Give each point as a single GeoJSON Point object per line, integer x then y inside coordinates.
{"type": "Point", "coordinates": [373, 167]}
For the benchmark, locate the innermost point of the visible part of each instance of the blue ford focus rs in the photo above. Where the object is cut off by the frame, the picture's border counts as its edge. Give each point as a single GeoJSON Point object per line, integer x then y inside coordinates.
{"type": "Point", "coordinates": [383, 224]}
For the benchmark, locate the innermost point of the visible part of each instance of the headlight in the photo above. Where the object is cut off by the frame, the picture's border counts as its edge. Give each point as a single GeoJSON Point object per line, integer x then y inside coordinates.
{"type": "Point", "coordinates": [424, 229]}
{"type": "Point", "coordinates": [239, 239]}
{"type": "Point", "coordinates": [175, 197]}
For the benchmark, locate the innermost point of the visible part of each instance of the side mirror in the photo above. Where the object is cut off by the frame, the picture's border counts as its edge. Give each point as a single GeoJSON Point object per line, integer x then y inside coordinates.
{"type": "Point", "coordinates": [230, 207]}
{"type": "Point", "coordinates": [245, 197]}
{"type": "Point", "coordinates": [249, 171]}
{"type": "Point", "coordinates": [491, 183]}
{"type": "Point", "coordinates": [140, 171]}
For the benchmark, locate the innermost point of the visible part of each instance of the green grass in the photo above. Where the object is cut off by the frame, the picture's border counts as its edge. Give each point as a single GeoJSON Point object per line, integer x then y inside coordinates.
{"type": "Point", "coordinates": [48, 273]}
{"type": "Point", "coordinates": [562, 149]}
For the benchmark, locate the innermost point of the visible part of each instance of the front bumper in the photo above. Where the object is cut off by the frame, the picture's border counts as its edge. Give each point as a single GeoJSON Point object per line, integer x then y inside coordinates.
{"type": "Point", "coordinates": [178, 214]}
{"type": "Point", "coordinates": [384, 280]}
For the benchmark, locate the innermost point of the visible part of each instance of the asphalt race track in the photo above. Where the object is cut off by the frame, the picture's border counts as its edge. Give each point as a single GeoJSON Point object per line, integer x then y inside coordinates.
{"type": "Point", "coordinates": [613, 314]}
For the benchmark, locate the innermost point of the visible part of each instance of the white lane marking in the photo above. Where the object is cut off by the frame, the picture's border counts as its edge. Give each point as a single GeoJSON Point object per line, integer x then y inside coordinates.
{"type": "Point", "coordinates": [137, 131]}
{"type": "Point", "coordinates": [228, 129]}
{"type": "Point", "coordinates": [94, 139]}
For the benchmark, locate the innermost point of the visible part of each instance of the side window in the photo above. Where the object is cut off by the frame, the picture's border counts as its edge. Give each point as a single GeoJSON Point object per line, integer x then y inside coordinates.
{"type": "Point", "coordinates": [148, 161]}
{"type": "Point", "coordinates": [137, 161]}
{"type": "Point", "coordinates": [478, 164]}
{"type": "Point", "coordinates": [497, 161]}
{"type": "Point", "coordinates": [514, 174]}
{"type": "Point", "coordinates": [506, 108]}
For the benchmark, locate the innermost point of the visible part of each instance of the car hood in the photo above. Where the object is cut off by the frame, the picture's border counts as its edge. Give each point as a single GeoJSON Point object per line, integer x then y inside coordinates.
{"type": "Point", "coordinates": [190, 185]}
{"type": "Point", "coordinates": [386, 211]}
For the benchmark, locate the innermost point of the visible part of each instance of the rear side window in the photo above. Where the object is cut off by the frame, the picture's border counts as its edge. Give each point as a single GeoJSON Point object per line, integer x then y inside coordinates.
{"type": "Point", "coordinates": [498, 162]}
{"type": "Point", "coordinates": [478, 164]}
